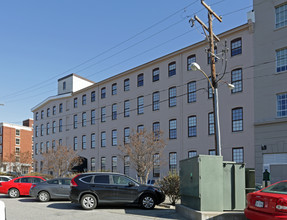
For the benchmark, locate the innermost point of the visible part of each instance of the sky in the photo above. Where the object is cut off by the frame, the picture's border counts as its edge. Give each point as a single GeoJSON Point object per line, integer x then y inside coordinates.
{"type": "Point", "coordinates": [42, 41]}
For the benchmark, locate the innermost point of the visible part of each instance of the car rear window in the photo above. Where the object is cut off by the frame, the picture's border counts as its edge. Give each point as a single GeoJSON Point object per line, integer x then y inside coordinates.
{"type": "Point", "coordinates": [87, 179]}
{"type": "Point", "coordinates": [37, 180]}
{"type": "Point", "coordinates": [280, 188]}
{"type": "Point", "coordinates": [65, 182]}
{"type": "Point", "coordinates": [101, 179]}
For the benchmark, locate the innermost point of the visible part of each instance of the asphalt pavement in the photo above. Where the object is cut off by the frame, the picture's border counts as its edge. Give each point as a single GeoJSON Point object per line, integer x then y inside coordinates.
{"type": "Point", "coordinates": [27, 208]}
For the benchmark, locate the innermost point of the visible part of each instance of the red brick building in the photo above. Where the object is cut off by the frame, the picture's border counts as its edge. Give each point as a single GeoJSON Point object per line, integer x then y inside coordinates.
{"type": "Point", "coordinates": [16, 144]}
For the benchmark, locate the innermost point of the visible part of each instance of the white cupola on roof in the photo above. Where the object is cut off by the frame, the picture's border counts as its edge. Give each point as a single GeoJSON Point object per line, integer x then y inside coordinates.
{"type": "Point", "coordinates": [72, 83]}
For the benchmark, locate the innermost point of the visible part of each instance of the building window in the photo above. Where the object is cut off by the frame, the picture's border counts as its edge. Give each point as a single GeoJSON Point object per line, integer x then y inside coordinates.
{"type": "Point", "coordinates": [236, 80]}
{"type": "Point", "coordinates": [42, 129]}
{"type": "Point", "coordinates": [93, 164]}
{"type": "Point", "coordinates": [93, 96]}
{"type": "Point", "coordinates": [172, 162]}
{"type": "Point", "coordinates": [41, 147]}
{"type": "Point", "coordinates": [75, 121]}
{"type": "Point", "coordinates": [53, 144]}
{"type": "Point", "coordinates": [209, 53]}
{"type": "Point", "coordinates": [192, 126]}
{"type": "Point", "coordinates": [191, 92]}
{"type": "Point", "coordinates": [54, 127]}
{"type": "Point", "coordinates": [17, 132]}
{"type": "Point", "coordinates": [192, 153]}
{"type": "Point", "coordinates": [93, 117]}
{"type": "Point", "coordinates": [48, 112]}
{"type": "Point", "coordinates": [103, 114]}
{"type": "Point", "coordinates": [211, 152]}
{"type": "Point", "coordinates": [211, 123]}
{"type": "Point", "coordinates": [126, 165]}
{"type": "Point", "coordinates": [60, 142]}
{"type": "Point", "coordinates": [75, 102]}
{"type": "Point", "coordinates": [103, 139]}
{"type": "Point", "coordinates": [103, 93]}
{"type": "Point", "coordinates": [155, 101]}
{"type": "Point", "coordinates": [75, 143]}
{"type": "Point", "coordinates": [84, 142]}
{"type": "Point", "coordinates": [281, 60]}
{"type": "Point", "coordinates": [64, 85]}
{"type": "Point", "coordinates": [140, 128]}
{"type": "Point", "coordinates": [282, 105]}
{"type": "Point", "coordinates": [140, 80]}
{"type": "Point", "coordinates": [238, 155]}
{"type": "Point", "coordinates": [37, 116]}
{"type": "Point", "coordinates": [127, 108]}
{"type": "Point", "coordinates": [114, 112]}
{"type": "Point", "coordinates": [60, 107]}
{"type": "Point", "coordinates": [93, 140]}
{"type": "Point", "coordinates": [237, 119]}
{"type": "Point", "coordinates": [191, 59]}
{"type": "Point", "coordinates": [17, 141]}
{"type": "Point", "coordinates": [114, 138]}
{"type": "Point", "coordinates": [126, 135]}
{"type": "Point", "coordinates": [114, 164]}
{"type": "Point", "coordinates": [103, 164]}
{"type": "Point", "coordinates": [156, 130]}
{"type": "Point", "coordinates": [172, 69]}
{"type": "Point", "coordinates": [36, 149]}
{"type": "Point", "coordinates": [156, 165]}
{"type": "Point", "coordinates": [36, 131]}
{"type": "Point", "coordinates": [127, 85]}
{"type": "Point", "coordinates": [54, 110]}
{"type": "Point", "coordinates": [155, 75]}
{"type": "Point", "coordinates": [281, 16]}
{"type": "Point", "coordinates": [172, 129]}
{"type": "Point", "coordinates": [114, 89]}
{"type": "Point", "coordinates": [42, 114]}
{"type": "Point", "coordinates": [47, 146]}
{"type": "Point", "coordinates": [84, 119]}
{"type": "Point", "coordinates": [47, 128]}
{"type": "Point", "coordinates": [172, 96]}
{"type": "Point", "coordinates": [84, 99]}
{"type": "Point", "coordinates": [60, 125]}
{"type": "Point", "coordinates": [236, 47]}
{"type": "Point", "coordinates": [140, 105]}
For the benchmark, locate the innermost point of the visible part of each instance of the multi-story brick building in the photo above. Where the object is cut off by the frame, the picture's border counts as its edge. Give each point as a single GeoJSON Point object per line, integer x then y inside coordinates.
{"type": "Point", "coordinates": [164, 94]}
{"type": "Point", "coordinates": [16, 144]}
{"type": "Point", "coordinates": [270, 90]}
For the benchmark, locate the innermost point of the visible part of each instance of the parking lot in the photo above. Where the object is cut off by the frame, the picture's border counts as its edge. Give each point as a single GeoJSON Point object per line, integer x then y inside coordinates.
{"type": "Point", "coordinates": [30, 209]}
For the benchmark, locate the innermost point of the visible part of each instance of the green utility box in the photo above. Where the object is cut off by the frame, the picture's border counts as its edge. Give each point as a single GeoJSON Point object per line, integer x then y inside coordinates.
{"type": "Point", "coordinates": [207, 183]}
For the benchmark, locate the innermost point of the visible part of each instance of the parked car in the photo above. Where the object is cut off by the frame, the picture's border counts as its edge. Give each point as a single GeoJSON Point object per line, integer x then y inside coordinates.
{"type": "Point", "coordinates": [58, 188]}
{"type": "Point", "coordinates": [268, 203]}
{"type": "Point", "coordinates": [91, 189]}
{"type": "Point", "coordinates": [5, 178]}
{"type": "Point", "coordinates": [19, 186]}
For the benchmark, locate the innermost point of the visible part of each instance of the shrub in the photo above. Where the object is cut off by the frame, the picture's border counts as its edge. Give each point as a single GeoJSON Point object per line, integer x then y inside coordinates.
{"type": "Point", "coordinates": [170, 186]}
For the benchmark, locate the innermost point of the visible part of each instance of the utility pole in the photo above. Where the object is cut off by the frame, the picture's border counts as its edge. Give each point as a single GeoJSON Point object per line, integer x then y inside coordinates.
{"type": "Point", "coordinates": [214, 86]}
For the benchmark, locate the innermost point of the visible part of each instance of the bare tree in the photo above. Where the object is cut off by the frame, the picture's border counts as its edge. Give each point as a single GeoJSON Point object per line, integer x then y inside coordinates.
{"type": "Point", "coordinates": [141, 147]}
{"type": "Point", "coordinates": [18, 161]}
{"type": "Point", "coordinates": [60, 160]}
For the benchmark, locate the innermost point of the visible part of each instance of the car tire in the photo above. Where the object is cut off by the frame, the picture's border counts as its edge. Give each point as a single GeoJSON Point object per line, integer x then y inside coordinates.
{"type": "Point", "coordinates": [44, 196]}
{"type": "Point", "coordinates": [147, 201]}
{"type": "Point", "coordinates": [89, 202]}
{"type": "Point", "coordinates": [13, 193]}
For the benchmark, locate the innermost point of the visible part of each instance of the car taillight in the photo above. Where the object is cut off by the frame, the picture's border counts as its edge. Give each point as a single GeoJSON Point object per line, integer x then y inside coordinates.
{"type": "Point", "coordinates": [73, 182]}
{"type": "Point", "coordinates": [0, 184]}
{"type": "Point", "coordinates": [33, 185]}
{"type": "Point", "coordinates": [281, 205]}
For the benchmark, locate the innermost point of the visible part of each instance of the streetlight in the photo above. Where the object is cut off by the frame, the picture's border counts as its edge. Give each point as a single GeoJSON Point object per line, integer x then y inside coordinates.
{"type": "Point", "coordinates": [196, 67]}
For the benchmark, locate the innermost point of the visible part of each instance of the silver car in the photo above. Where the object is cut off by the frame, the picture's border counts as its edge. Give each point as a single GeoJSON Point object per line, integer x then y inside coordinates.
{"type": "Point", "coordinates": [58, 188]}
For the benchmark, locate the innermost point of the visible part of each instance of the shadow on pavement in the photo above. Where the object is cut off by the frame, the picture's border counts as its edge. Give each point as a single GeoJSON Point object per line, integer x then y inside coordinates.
{"type": "Point", "coordinates": [64, 206]}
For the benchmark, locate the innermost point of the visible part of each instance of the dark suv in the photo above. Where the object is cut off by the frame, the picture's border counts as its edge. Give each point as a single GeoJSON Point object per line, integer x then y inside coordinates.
{"type": "Point", "coordinates": [91, 189]}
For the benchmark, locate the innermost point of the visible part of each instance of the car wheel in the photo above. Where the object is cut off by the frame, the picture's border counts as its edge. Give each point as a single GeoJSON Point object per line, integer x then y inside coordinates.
{"type": "Point", "coordinates": [89, 202]}
{"type": "Point", "coordinates": [147, 201]}
{"type": "Point", "coordinates": [44, 196]}
{"type": "Point", "coordinates": [13, 193]}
